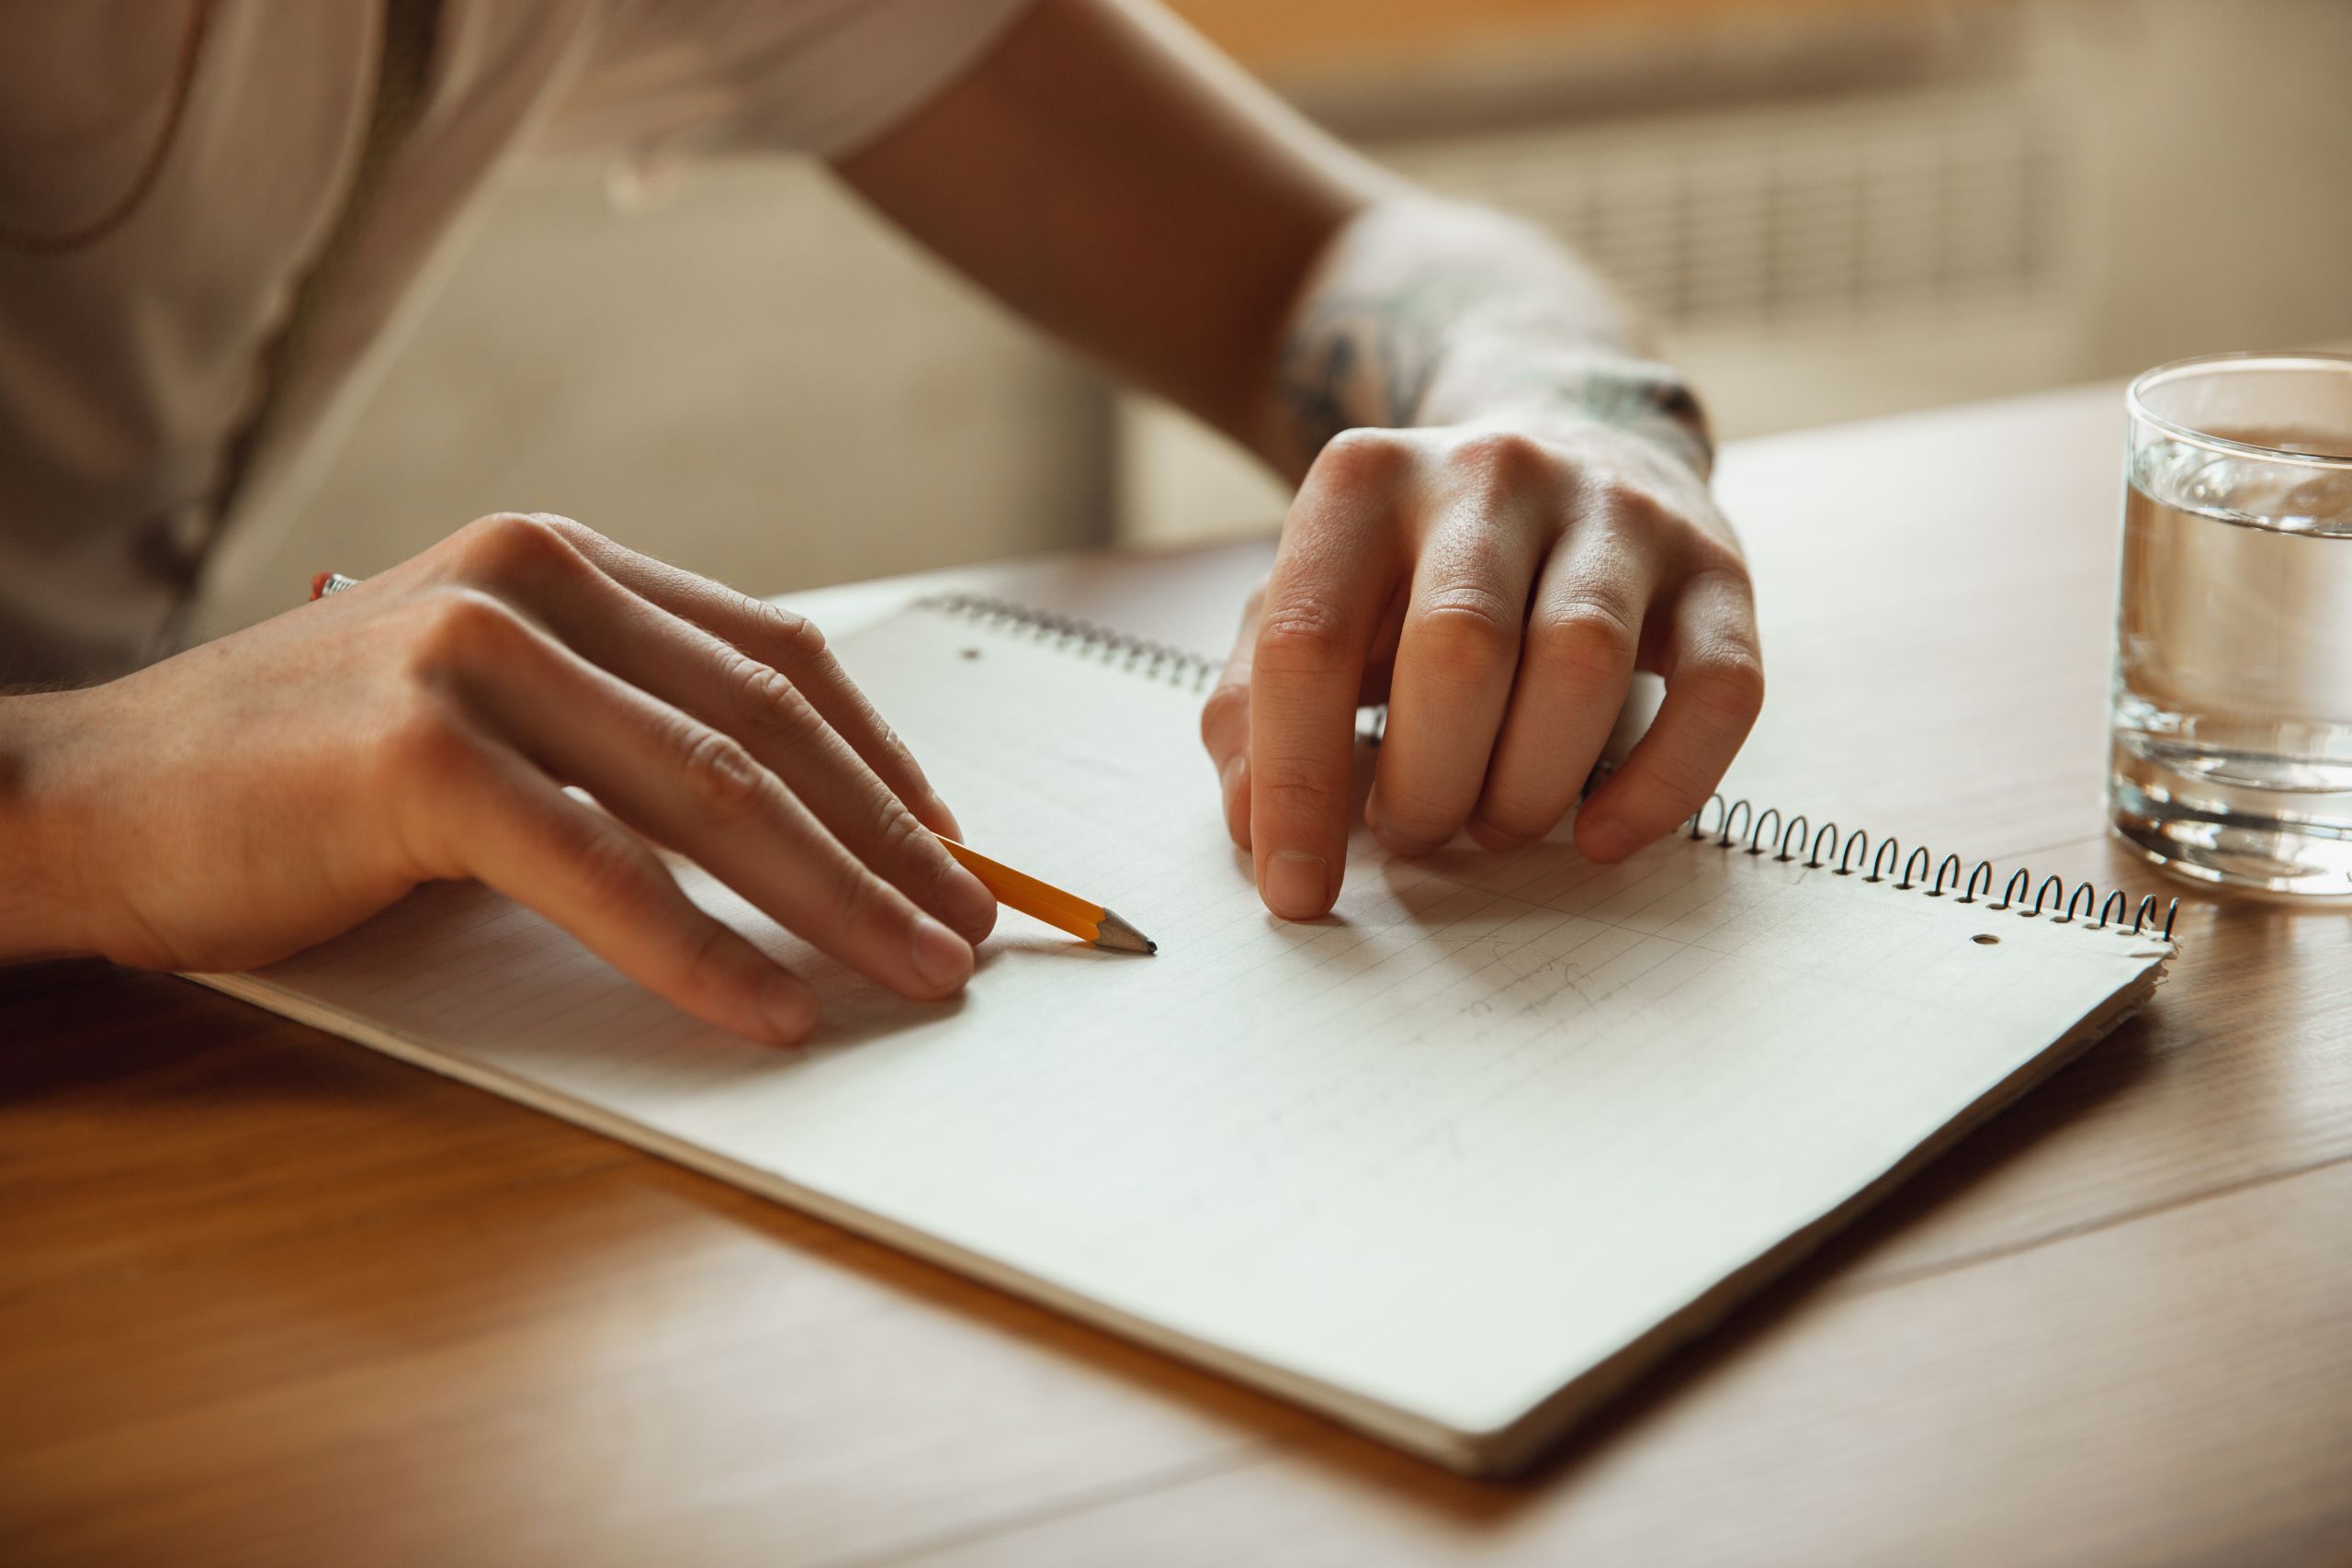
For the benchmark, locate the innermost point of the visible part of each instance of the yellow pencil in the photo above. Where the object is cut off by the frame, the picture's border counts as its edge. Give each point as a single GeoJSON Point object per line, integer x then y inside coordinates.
{"type": "Point", "coordinates": [1046, 902]}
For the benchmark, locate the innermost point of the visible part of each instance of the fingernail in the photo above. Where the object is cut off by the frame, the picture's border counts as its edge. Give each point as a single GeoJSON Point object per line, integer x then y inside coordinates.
{"type": "Point", "coordinates": [941, 958]}
{"type": "Point", "coordinates": [970, 905]}
{"type": "Point", "coordinates": [788, 1007]}
{"type": "Point", "coordinates": [1298, 884]}
{"type": "Point", "coordinates": [1606, 841]}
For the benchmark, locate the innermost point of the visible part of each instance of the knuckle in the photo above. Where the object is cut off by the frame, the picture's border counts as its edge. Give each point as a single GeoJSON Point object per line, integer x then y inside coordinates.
{"type": "Point", "coordinates": [857, 898]}
{"type": "Point", "coordinates": [1419, 814]}
{"type": "Point", "coordinates": [1299, 800]}
{"type": "Point", "coordinates": [720, 777]}
{"type": "Point", "coordinates": [1505, 460]}
{"type": "Point", "coordinates": [520, 546]}
{"type": "Point", "coordinates": [1663, 783]}
{"type": "Point", "coordinates": [885, 746]}
{"type": "Point", "coordinates": [1589, 641]}
{"type": "Point", "coordinates": [1671, 795]}
{"type": "Point", "coordinates": [608, 871]}
{"type": "Point", "coordinates": [1365, 455]}
{"type": "Point", "coordinates": [897, 838]}
{"type": "Point", "coordinates": [771, 703]}
{"type": "Point", "coordinates": [1725, 682]}
{"type": "Point", "coordinates": [571, 529]}
{"type": "Point", "coordinates": [1300, 635]}
{"type": "Point", "coordinates": [707, 966]}
{"type": "Point", "coordinates": [1468, 631]}
{"type": "Point", "coordinates": [1627, 505]}
{"type": "Point", "coordinates": [464, 628]}
{"type": "Point", "coordinates": [490, 525]}
{"type": "Point", "coordinates": [1712, 555]}
{"type": "Point", "coordinates": [1227, 709]}
{"type": "Point", "coordinates": [793, 636]}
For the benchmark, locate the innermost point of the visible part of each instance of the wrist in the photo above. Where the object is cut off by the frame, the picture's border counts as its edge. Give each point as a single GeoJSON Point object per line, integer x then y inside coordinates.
{"type": "Point", "coordinates": [41, 907]}
{"type": "Point", "coordinates": [1570, 390]}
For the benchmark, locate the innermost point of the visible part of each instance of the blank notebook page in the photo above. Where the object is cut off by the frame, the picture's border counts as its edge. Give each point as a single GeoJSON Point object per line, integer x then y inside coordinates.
{"type": "Point", "coordinates": [1497, 1125]}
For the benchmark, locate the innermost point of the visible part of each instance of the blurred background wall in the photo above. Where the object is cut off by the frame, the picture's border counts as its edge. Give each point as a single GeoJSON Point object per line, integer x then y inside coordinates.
{"type": "Point", "coordinates": [1828, 208]}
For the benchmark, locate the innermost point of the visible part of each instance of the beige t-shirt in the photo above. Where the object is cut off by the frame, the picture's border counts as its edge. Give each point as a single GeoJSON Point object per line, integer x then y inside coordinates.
{"type": "Point", "coordinates": [128, 366]}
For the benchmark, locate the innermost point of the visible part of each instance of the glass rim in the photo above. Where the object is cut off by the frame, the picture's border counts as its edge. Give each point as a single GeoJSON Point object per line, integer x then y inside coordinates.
{"type": "Point", "coordinates": [2148, 381]}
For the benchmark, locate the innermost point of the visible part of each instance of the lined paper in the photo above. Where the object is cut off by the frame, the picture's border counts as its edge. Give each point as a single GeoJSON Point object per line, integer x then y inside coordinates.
{"type": "Point", "coordinates": [1425, 1163]}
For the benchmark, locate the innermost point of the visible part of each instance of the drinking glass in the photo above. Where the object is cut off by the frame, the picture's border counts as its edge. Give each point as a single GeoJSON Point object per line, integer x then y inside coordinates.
{"type": "Point", "coordinates": [2232, 719]}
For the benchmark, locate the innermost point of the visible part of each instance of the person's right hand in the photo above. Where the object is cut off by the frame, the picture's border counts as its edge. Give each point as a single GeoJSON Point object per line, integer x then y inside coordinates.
{"type": "Point", "coordinates": [253, 795]}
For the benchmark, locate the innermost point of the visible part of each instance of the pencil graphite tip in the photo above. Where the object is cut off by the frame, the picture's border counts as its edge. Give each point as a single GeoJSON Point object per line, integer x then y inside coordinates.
{"type": "Point", "coordinates": [1116, 933]}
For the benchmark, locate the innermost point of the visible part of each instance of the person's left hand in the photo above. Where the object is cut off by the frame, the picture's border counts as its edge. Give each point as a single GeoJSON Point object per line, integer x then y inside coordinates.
{"type": "Point", "coordinates": [1498, 587]}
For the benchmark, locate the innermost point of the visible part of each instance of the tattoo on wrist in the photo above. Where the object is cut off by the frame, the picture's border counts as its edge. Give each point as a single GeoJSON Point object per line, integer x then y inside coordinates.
{"type": "Point", "coordinates": [1370, 359]}
{"type": "Point", "coordinates": [1639, 397]}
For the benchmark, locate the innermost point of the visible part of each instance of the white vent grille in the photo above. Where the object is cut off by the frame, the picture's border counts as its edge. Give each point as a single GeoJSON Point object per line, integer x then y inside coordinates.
{"type": "Point", "coordinates": [1836, 211]}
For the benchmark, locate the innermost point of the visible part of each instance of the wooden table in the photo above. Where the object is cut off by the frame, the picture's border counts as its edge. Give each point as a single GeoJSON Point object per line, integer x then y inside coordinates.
{"type": "Point", "coordinates": [266, 1297]}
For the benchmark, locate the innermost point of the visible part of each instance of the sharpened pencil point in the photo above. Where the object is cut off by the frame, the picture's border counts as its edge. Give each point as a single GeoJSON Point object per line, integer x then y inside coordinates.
{"type": "Point", "coordinates": [1116, 933]}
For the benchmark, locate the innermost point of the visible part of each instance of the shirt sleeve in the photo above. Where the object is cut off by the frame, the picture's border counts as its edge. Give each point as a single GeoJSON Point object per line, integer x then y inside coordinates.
{"type": "Point", "coordinates": [666, 79]}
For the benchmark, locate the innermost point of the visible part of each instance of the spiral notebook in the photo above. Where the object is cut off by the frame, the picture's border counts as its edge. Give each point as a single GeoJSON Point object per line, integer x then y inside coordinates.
{"type": "Point", "coordinates": [1450, 1165]}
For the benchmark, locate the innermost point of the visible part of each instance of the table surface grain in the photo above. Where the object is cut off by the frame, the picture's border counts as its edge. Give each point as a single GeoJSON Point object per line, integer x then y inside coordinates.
{"type": "Point", "coordinates": [268, 1297]}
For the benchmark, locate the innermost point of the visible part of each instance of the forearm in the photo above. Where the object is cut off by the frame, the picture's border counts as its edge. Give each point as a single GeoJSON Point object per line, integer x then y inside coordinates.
{"type": "Point", "coordinates": [1421, 312]}
{"type": "Point", "coordinates": [1106, 174]}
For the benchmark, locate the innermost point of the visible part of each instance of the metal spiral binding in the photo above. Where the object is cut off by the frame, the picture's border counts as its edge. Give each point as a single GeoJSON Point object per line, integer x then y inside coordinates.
{"type": "Point", "coordinates": [1139, 655]}
{"type": "Point", "coordinates": [1785, 839]}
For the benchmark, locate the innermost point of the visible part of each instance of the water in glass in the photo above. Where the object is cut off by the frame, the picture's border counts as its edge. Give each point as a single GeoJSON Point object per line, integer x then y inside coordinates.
{"type": "Point", "coordinates": [2233, 697]}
